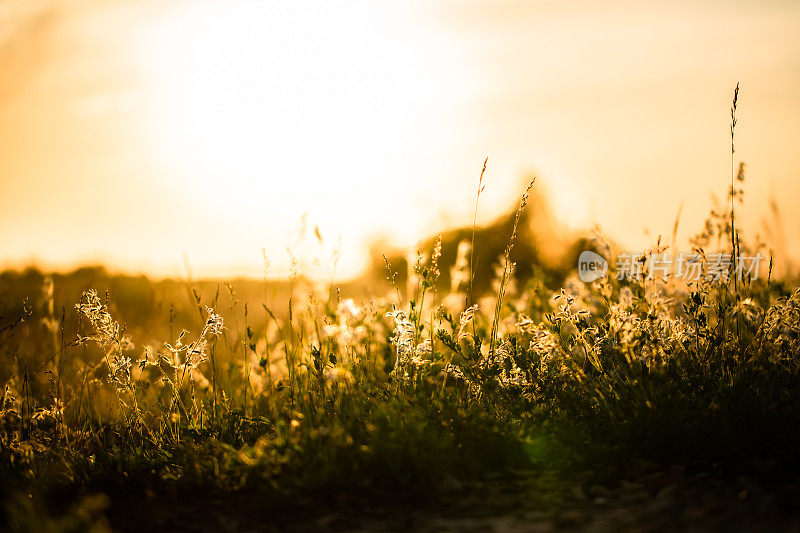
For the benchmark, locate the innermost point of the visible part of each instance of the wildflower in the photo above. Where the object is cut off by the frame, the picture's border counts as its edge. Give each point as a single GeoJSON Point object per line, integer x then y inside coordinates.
{"type": "Point", "coordinates": [106, 329]}
{"type": "Point", "coordinates": [403, 340]}
{"type": "Point", "coordinates": [121, 369]}
{"type": "Point", "coordinates": [422, 349]}
{"type": "Point", "coordinates": [190, 356]}
{"type": "Point", "coordinates": [464, 320]}
{"type": "Point", "coordinates": [214, 324]}
{"type": "Point", "coordinates": [546, 346]}
{"type": "Point", "coordinates": [780, 332]}
{"type": "Point", "coordinates": [437, 254]}
{"type": "Point", "coordinates": [108, 335]}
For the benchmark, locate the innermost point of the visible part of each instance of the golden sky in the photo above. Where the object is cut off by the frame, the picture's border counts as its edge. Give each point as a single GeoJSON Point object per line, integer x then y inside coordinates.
{"type": "Point", "coordinates": [140, 133]}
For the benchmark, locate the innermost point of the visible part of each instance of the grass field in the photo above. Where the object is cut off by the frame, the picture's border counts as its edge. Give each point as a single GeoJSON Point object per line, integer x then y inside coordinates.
{"type": "Point", "coordinates": [420, 402]}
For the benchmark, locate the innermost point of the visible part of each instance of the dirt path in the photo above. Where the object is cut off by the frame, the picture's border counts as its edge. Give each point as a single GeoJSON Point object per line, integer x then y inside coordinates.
{"type": "Point", "coordinates": [663, 501]}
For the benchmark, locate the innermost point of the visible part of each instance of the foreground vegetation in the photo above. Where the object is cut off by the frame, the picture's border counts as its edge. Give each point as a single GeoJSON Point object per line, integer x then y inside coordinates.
{"type": "Point", "coordinates": [420, 390]}
{"type": "Point", "coordinates": [429, 389]}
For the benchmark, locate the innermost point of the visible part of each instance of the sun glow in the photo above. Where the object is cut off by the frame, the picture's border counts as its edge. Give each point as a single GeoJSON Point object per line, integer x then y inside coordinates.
{"type": "Point", "coordinates": [205, 129]}
{"type": "Point", "coordinates": [266, 110]}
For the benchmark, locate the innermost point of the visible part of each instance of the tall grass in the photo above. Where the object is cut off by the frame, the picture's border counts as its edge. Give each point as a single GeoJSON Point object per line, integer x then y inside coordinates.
{"type": "Point", "coordinates": [404, 388]}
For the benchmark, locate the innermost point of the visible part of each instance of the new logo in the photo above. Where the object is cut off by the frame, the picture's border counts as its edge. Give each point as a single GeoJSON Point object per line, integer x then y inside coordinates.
{"type": "Point", "coordinates": [591, 266]}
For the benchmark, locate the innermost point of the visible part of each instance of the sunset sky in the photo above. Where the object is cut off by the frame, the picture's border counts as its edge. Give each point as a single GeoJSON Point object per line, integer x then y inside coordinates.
{"type": "Point", "coordinates": [141, 134]}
